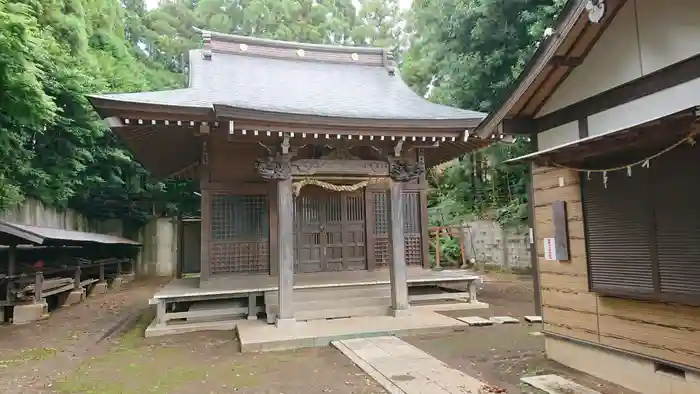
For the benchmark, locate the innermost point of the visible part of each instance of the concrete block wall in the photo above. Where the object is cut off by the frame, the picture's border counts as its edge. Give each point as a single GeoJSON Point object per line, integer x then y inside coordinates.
{"type": "Point", "coordinates": [159, 252]}
{"type": "Point", "coordinates": [157, 257]}
{"type": "Point", "coordinates": [491, 244]}
{"type": "Point", "coordinates": [34, 213]}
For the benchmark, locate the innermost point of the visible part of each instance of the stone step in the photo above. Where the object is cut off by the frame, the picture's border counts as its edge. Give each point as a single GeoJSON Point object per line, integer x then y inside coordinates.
{"type": "Point", "coordinates": [334, 302]}
{"type": "Point", "coordinates": [333, 313]}
{"type": "Point", "coordinates": [334, 293]}
{"type": "Point", "coordinates": [339, 305]}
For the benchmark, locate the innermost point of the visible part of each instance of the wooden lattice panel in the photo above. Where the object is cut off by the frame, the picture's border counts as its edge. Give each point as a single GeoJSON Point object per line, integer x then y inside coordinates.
{"type": "Point", "coordinates": [239, 233]}
{"type": "Point", "coordinates": [413, 249]}
{"type": "Point", "coordinates": [412, 228]}
{"type": "Point", "coordinates": [248, 257]}
{"type": "Point", "coordinates": [381, 252]}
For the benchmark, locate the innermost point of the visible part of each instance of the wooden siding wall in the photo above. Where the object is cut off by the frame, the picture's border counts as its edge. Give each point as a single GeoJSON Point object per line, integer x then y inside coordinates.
{"type": "Point", "coordinates": [661, 331]}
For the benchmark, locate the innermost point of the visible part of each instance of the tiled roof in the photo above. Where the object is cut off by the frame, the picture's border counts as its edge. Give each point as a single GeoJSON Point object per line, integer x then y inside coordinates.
{"type": "Point", "coordinates": [300, 87]}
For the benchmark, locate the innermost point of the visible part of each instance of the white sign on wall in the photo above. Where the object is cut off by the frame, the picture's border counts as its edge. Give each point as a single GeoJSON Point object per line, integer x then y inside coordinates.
{"type": "Point", "coordinates": [550, 249]}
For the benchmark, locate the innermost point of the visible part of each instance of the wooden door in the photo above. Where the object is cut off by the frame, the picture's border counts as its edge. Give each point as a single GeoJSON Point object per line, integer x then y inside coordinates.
{"type": "Point", "coordinates": [330, 229]}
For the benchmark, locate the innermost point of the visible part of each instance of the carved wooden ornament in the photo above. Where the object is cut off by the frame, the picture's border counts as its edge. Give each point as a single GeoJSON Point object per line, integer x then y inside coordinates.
{"type": "Point", "coordinates": [404, 170]}
{"type": "Point", "coordinates": [274, 167]}
{"type": "Point", "coordinates": [596, 10]}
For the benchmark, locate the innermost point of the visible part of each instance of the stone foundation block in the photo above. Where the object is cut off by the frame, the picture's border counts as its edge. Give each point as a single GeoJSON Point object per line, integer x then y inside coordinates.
{"type": "Point", "coordinates": [285, 323]}
{"type": "Point", "coordinates": [99, 288]}
{"type": "Point", "coordinates": [73, 297]}
{"type": "Point", "coordinates": [129, 277]}
{"type": "Point", "coordinates": [399, 312]}
{"type": "Point", "coordinates": [117, 283]}
{"type": "Point", "coordinates": [23, 314]}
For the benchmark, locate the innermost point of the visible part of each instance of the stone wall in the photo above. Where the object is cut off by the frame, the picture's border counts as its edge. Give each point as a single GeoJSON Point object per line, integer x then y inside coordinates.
{"type": "Point", "coordinates": [34, 213]}
{"type": "Point", "coordinates": [492, 245]}
{"type": "Point", "coordinates": [157, 256]}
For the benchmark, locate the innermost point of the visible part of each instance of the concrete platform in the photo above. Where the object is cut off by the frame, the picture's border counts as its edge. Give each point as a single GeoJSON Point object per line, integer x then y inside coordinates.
{"type": "Point", "coordinates": [257, 336]}
{"type": "Point", "coordinates": [404, 369]}
{"type": "Point", "coordinates": [223, 286]}
{"type": "Point", "coordinates": [154, 330]}
{"type": "Point", "coordinates": [555, 384]}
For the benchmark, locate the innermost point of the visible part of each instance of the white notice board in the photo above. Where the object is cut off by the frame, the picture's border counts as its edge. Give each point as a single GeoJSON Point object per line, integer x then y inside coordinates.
{"type": "Point", "coordinates": [550, 249]}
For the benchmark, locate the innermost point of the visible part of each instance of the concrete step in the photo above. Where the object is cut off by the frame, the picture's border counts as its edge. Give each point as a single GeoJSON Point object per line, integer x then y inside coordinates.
{"type": "Point", "coordinates": [334, 302]}
{"type": "Point", "coordinates": [333, 313]}
{"type": "Point", "coordinates": [334, 293]}
{"type": "Point", "coordinates": [216, 310]}
{"type": "Point", "coordinates": [338, 304]}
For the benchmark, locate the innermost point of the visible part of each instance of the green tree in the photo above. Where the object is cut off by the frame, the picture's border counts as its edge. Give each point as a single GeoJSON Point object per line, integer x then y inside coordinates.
{"type": "Point", "coordinates": [466, 53]}
{"type": "Point", "coordinates": [55, 52]}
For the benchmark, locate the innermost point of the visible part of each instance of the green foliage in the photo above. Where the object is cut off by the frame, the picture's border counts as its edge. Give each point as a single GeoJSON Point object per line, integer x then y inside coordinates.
{"type": "Point", "coordinates": [467, 53]}
{"type": "Point", "coordinates": [52, 54]}
{"type": "Point", "coordinates": [55, 52]}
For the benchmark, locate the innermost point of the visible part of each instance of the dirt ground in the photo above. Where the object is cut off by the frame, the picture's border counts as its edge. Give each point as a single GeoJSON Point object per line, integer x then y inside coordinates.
{"type": "Point", "coordinates": [501, 354]}
{"type": "Point", "coordinates": [97, 347]}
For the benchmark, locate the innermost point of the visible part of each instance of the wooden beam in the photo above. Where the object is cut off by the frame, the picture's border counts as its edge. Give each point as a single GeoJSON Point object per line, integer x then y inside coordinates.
{"type": "Point", "coordinates": [518, 126]}
{"type": "Point", "coordinates": [663, 79]}
{"type": "Point", "coordinates": [114, 122]}
{"type": "Point", "coordinates": [565, 61]}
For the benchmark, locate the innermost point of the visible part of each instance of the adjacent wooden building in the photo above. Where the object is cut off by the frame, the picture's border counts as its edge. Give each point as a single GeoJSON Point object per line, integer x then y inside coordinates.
{"type": "Point", "coordinates": [611, 103]}
{"type": "Point", "coordinates": [311, 158]}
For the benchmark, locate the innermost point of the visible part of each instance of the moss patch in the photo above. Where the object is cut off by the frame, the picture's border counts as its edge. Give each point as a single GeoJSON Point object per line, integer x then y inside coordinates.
{"type": "Point", "coordinates": [154, 370]}
{"type": "Point", "coordinates": [27, 355]}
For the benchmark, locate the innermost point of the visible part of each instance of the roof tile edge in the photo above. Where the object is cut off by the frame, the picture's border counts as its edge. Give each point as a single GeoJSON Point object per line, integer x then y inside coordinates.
{"type": "Point", "coordinates": [251, 46]}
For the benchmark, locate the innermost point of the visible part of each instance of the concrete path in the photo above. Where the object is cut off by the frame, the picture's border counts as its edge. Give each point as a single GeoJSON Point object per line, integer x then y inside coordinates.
{"type": "Point", "coordinates": [555, 384]}
{"type": "Point", "coordinates": [404, 369]}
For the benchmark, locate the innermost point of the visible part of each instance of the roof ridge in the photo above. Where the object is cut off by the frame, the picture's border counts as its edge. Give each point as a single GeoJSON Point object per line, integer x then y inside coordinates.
{"type": "Point", "coordinates": [289, 44]}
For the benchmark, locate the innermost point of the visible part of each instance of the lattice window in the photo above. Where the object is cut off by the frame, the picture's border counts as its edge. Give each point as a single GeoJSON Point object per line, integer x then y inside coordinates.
{"type": "Point", "coordinates": [413, 249]}
{"type": "Point", "coordinates": [381, 252]}
{"type": "Point", "coordinates": [355, 208]}
{"type": "Point", "coordinates": [381, 219]}
{"type": "Point", "coordinates": [411, 213]}
{"type": "Point", "coordinates": [412, 230]}
{"type": "Point", "coordinates": [239, 233]}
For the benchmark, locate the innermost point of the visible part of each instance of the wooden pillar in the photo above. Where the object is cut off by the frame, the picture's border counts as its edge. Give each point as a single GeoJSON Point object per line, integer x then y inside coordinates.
{"type": "Point", "coordinates": [205, 231]}
{"type": "Point", "coordinates": [424, 223]}
{"type": "Point", "coordinates": [205, 201]}
{"type": "Point", "coordinates": [397, 250]}
{"type": "Point", "coordinates": [285, 250]}
{"type": "Point", "coordinates": [534, 259]}
{"type": "Point", "coordinates": [11, 267]}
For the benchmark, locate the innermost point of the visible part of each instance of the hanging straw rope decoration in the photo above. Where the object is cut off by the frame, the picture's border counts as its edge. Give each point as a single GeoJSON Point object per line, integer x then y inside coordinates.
{"type": "Point", "coordinates": [689, 139]}
{"type": "Point", "coordinates": [336, 188]}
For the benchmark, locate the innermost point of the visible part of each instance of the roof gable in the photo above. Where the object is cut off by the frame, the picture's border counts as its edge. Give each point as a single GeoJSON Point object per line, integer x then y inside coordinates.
{"type": "Point", "coordinates": [612, 61]}
{"type": "Point", "coordinates": [576, 31]}
{"type": "Point", "coordinates": [634, 42]}
{"type": "Point", "coordinates": [277, 77]}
